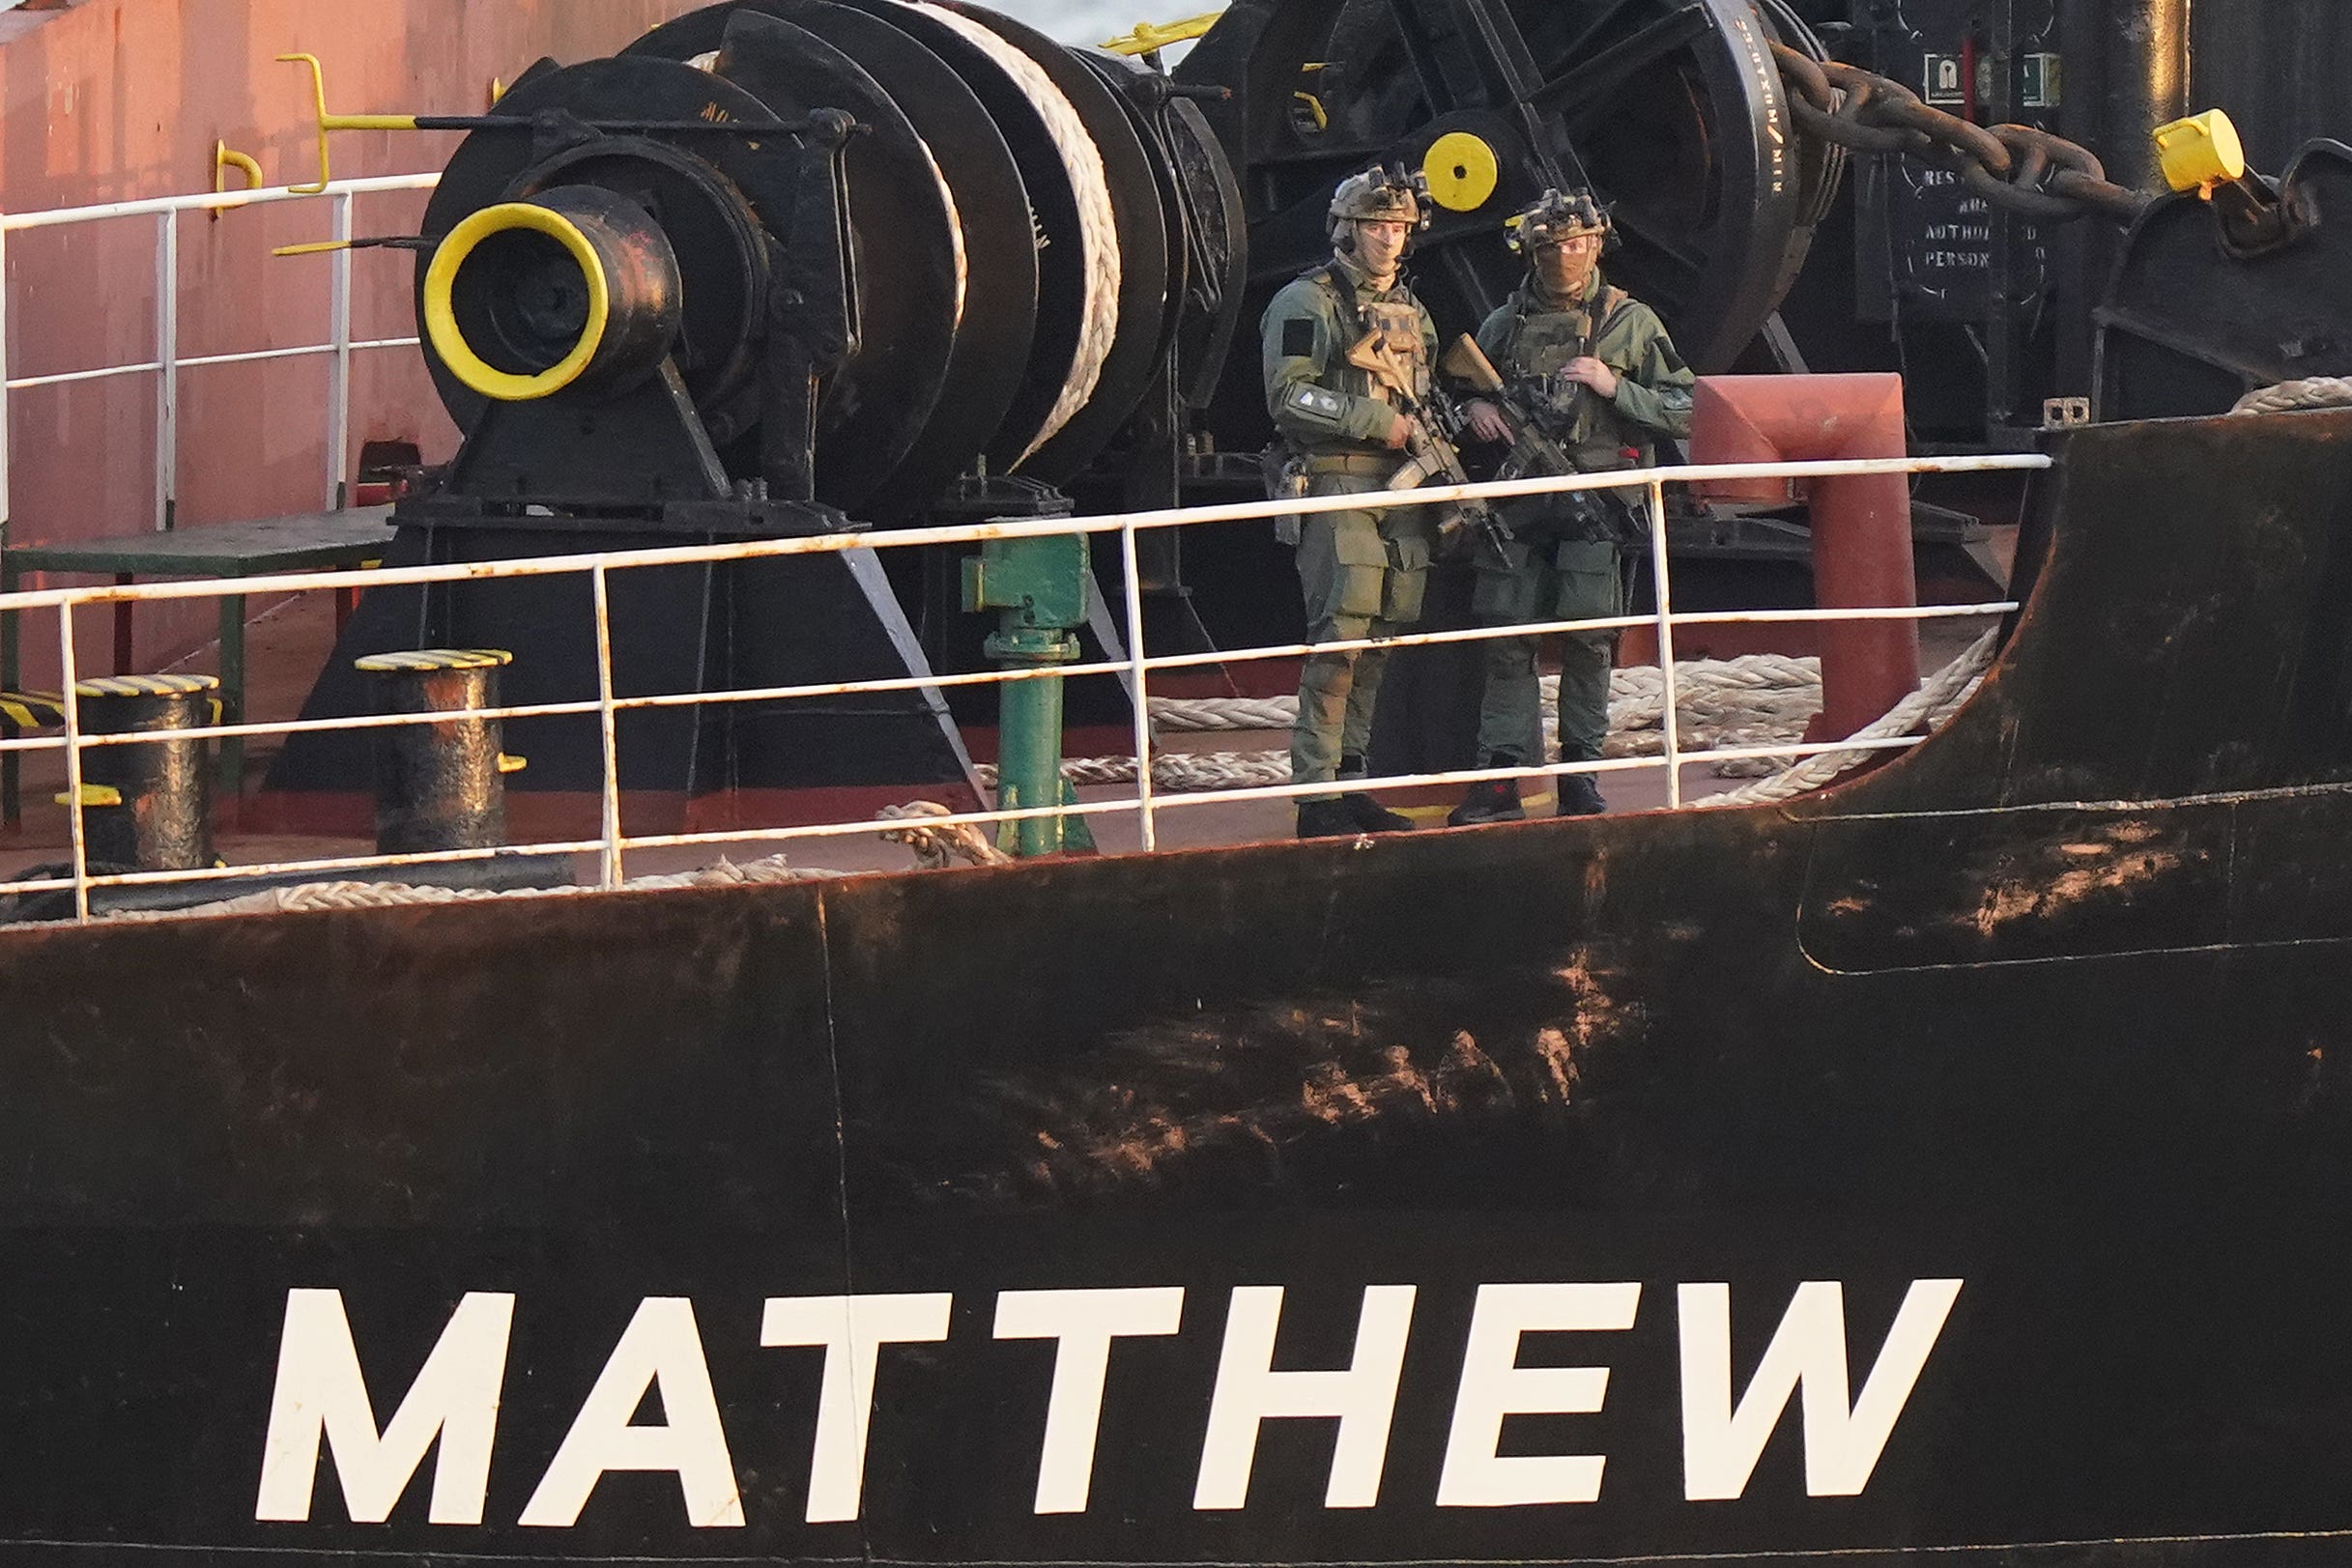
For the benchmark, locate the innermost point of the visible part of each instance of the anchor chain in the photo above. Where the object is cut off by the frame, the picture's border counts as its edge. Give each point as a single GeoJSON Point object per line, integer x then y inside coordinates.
{"type": "Point", "coordinates": [2026, 170]}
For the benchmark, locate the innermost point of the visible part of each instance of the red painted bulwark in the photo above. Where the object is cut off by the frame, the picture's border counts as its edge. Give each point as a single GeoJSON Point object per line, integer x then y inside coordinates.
{"type": "Point", "coordinates": [120, 99]}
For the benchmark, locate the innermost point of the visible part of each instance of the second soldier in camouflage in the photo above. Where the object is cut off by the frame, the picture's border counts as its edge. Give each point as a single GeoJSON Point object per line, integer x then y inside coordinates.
{"type": "Point", "coordinates": [1596, 369]}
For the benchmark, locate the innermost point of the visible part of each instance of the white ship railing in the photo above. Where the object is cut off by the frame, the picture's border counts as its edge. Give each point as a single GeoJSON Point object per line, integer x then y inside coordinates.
{"type": "Point", "coordinates": [168, 362]}
{"type": "Point", "coordinates": [614, 845]}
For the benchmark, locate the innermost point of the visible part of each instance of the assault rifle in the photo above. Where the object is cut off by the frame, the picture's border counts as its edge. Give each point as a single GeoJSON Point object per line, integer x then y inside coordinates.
{"type": "Point", "coordinates": [1533, 452]}
{"type": "Point", "coordinates": [1433, 451]}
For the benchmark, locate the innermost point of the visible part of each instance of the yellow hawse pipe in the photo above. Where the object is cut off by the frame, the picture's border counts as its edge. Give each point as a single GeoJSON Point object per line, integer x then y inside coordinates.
{"type": "Point", "coordinates": [449, 338]}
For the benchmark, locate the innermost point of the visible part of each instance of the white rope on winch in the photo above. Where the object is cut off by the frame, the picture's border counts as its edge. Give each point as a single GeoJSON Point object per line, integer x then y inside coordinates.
{"type": "Point", "coordinates": [955, 228]}
{"type": "Point", "coordinates": [2294, 396]}
{"type": "Point", "coordinates": [1098, 223]}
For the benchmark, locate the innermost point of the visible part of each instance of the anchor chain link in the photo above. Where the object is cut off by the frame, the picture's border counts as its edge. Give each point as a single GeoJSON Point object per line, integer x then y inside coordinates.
{"type": "Point", "coordinates": [2026, 170]}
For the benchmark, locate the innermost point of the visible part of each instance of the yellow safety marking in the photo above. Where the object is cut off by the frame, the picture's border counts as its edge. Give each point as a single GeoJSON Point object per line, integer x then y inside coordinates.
{"type": "Point", "coordinates": [440, 316]}
{"type": "Point", "coordinates": [1539, 804]}
{"type": "Point", "coordinates": [2200, 152]}
{"type": "Point", "coordinates": [512, 764]}
{"type": "Point", "coordinates": [93, 795]}
{"type": "Point", "coordinates": [1461, 170]}
{"type": "Point", "coordinates": [144, 685]}
{"type": "Point", "coordinates": [1314, 106]}
{"type": "Point", "coordinates": [1151, 37]}
{"type": "Point", "coordinates": [434, 659]}
{"type": "Point", "coordinates": [32, 710]}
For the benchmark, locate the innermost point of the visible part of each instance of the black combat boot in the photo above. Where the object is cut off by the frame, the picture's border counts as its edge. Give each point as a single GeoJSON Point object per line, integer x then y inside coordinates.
{"type": "Point", "coordinates": [1366, 814]}
{"type": "Point", "coordinates": [1490, 800]}
{"type": "Point", "coordinates": [1371, 817]}
{"type": "Point", "coordinates": [1578, 795]}
{"type": "Point", "coordinates": [1327, 819]}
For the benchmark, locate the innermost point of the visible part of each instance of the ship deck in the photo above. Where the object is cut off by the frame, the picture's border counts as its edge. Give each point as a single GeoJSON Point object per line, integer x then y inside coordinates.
{"type": "Point", "coordinates": [287, 644]}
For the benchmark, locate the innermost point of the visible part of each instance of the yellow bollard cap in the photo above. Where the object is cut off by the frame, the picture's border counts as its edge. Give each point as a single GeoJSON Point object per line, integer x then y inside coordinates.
{"type": "Point", "coordinates": [1461, 170]}
{"type": "Point", "coordinates": [2200, 151]}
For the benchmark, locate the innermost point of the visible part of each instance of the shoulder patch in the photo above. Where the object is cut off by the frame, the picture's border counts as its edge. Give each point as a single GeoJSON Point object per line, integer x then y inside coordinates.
{"type": "Point", "coordinates": [1298, 337]}
{"type": "Point", "coordinates": [1312, 399]}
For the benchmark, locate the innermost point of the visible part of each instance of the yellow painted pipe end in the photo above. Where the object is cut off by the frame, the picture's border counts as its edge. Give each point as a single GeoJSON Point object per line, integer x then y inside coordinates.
{"type": "Point", "coordinates": [2199, 151]}
{"type": "Point", "coordinates": [448, 340]}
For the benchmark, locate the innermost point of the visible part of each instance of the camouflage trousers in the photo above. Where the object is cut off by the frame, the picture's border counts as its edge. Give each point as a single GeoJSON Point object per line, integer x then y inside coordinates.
{"type": "Point", "coordinates": [1571, 580]}
{"type": "Point", "coordinates": [1362, 574]}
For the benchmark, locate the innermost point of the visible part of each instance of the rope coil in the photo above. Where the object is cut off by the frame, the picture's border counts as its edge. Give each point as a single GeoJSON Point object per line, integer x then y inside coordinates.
{"type": "Point", "coordinates": [2297, 396]}
{"type": "Point", "coordinates": [1758, 700]}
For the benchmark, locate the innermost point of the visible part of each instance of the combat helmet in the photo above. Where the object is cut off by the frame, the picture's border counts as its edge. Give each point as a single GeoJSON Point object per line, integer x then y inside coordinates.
{"type": "Point", "coordinates": [1553, 216]}
{"type": "Point", "coordinates": [1380, 193]}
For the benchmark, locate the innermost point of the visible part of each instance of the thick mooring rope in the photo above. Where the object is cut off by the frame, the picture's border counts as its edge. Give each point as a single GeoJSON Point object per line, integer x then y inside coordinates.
{"type": "Point", "coordinates": [933, 848]}
{"type": "Point", "coordinates": [1098, 224]}
{"type": "Point", "coordinates": [1752, 688]}
{"type": "Point", "coordinates": [1758, 700]}
{"type": "Point", "coordinates": [2293, 396]}
{"type": "Point", "coordinates": [1937, 699]}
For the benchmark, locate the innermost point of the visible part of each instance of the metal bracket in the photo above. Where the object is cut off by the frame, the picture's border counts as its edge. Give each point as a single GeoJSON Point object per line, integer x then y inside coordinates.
{"type": "Point", "coordinates": [2065, 412]}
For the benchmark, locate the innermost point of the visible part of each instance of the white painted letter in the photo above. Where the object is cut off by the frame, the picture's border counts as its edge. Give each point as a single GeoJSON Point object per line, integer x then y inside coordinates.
{"type": "Point", "coordinates": [1495, 1386]}
{"type": "Point", "coordinates": [852, 1329]}
{"type": "Point", "coordinates": [660, 1346]}
{"type": "Point", "coordinates": [1720, 1445]}
{"type": "Point", "coordinates": [1249, 1391]}
{"type": "Point", "coordinates": [1085, 1322]}
{"type": "Point", "coordinates": [320, 1390]}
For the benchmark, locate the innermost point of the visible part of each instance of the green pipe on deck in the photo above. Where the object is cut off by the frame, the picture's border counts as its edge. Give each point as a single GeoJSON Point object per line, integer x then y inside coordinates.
{"type": "Point", "coordinates": [1029, 740]}
{"type": "Point", "coordinates": [1038, 589]}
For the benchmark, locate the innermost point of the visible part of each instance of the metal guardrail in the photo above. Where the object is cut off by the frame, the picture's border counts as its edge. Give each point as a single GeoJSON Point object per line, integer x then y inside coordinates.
{"type": "Point", "coordinates": [167, 363]}
{"type": "Point", "coordinates": [614, 845]}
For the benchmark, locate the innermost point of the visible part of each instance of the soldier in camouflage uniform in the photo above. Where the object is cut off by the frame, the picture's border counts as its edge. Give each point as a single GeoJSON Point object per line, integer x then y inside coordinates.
{"type": "Point", "coordinates": [1362, 572]}
{"type": "Point", "coordinates": [1598, 372]}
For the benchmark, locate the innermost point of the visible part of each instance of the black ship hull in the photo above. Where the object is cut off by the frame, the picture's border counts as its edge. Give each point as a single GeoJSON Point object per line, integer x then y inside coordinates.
{"type": "Point", "coordinates": [1952, 1166]}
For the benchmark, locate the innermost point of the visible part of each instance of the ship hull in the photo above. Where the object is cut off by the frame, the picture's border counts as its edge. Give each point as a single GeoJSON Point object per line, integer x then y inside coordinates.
{"type": "Point", "coordinates": [1951, 1164]}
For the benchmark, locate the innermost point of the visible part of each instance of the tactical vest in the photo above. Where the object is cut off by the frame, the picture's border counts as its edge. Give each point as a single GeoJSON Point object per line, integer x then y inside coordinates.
{"type": "Point", "coordinates": [1541, 346]}
{"type": "Point", "coordinates": [1397, 322]}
